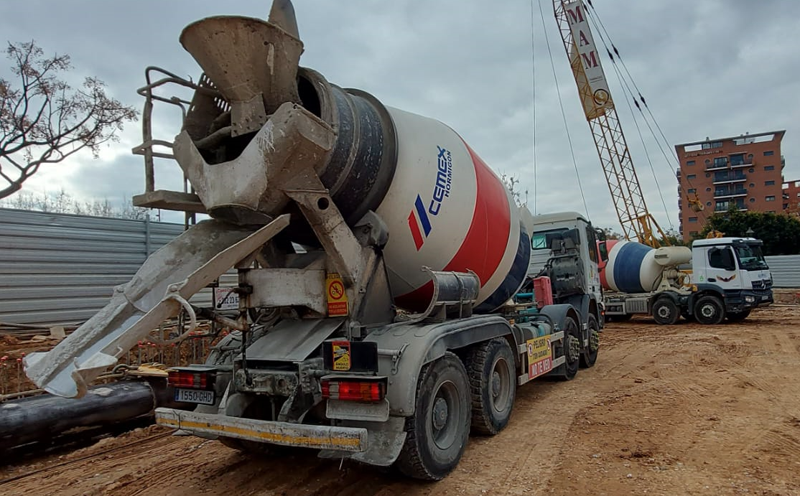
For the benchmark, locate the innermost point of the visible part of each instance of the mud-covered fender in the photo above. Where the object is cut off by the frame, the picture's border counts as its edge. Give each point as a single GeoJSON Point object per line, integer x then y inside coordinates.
{"type": "Point", "coordinates": [558, 314]}
{"type": "Point", "coordinates": [403, 349]}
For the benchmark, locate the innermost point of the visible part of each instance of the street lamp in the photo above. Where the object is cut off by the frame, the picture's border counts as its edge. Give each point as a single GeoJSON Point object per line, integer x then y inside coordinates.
{"type": "Point", "coordinates": [749, 232]}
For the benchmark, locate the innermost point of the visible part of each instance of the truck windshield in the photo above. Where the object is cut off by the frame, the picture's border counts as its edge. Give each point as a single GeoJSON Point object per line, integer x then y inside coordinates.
{"type": "Point", "coordinates": [543, 239]}
{"type": "Point", "coordinates": [750, 257]}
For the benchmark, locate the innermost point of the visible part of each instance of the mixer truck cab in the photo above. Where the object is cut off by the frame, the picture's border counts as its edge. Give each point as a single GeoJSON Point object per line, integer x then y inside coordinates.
{"type": "Point", "coordinates": [563, 251]}
{"type": "Point", "coordinates": [728, 278]}
{"type": "Point", "coordinates": [735, 268]}
{"type": "Point", "coordinates": [393, 335]}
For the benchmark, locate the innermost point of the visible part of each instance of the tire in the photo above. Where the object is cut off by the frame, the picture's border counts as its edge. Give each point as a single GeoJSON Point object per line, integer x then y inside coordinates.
{"type": "Point", "coordinates": [619, 318]}
{"type": "Point", "coordinates": [492, 379]}
{"type": "Point", "coordinates": [666, 311]}
{"type": "Point", "coordinates": [738, 316]}
{"type": "Point", "coordinates": [589, 355]}
{"type": "Point", "coordinates": [571, 349]}
{"type": "Point", "coordinates": [433, 447]}
{"type": "Point", "coordinates": [709, 310]}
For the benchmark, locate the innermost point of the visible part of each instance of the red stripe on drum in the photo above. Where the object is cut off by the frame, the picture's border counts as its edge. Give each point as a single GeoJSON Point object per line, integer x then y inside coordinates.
{"type": "Point", "coordinates": [487, 238]}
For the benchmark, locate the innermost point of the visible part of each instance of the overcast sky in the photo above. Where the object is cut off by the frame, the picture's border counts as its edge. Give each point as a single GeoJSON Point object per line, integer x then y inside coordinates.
{"type": "Point", "coordinates": [711, 68]}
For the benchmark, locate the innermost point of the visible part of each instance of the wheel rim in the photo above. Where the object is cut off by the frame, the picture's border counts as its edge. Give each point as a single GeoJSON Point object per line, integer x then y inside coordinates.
{"type": "Point", "coordinates": [445, 413]}
{"type": "Point", "coordinates": [663, 312]}
{"type": "Point", "coordinates": [708, 311]}
{"type": "Point", "coordinates": [594, 340]}
{"type": "Point", "coordinates": [500, 385]}
{"type": "Point", "coordinates": [573, 348]}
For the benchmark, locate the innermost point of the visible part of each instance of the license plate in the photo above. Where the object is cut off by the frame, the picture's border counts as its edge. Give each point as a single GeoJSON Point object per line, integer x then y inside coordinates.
{"type": "Point", "coordinates": [194, 396]}
{"type": "Point", "coordinates": [765, 297]}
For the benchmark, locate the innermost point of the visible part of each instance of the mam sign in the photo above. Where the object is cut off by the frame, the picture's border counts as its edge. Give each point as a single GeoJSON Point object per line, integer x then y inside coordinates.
{"type": "Point", "coordinates": [586, 62]}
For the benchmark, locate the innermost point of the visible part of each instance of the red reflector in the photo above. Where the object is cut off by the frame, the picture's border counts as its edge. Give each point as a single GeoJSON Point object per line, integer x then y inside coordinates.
{"type": "Point", "coordinates": [184, 379]}
{"type": "Point", "coordinates": [353, 391]}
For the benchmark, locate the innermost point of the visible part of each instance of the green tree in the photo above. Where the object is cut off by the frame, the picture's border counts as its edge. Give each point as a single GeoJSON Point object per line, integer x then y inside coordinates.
{"type": "Point", "coordinates": [779, 232]}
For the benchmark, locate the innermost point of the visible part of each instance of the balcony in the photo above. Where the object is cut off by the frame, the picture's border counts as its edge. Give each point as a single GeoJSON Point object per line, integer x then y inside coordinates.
{"type": "Point", "coordinates": [723, 206]}
{"type": "Point", "coordinates": [729, 192]}
{"type": "Point", "coordinates": [729, 177]}
{"type": "Point", "coordinates": [741, 165]}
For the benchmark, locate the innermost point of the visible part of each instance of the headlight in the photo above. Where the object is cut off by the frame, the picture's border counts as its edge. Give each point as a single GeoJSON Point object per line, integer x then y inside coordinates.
{"type": "Point", "coordinates": [750, 299]}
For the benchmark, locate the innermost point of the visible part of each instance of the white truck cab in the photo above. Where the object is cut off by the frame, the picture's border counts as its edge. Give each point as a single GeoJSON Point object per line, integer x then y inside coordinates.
{"type": "Point", "coordinates": [735, 266]}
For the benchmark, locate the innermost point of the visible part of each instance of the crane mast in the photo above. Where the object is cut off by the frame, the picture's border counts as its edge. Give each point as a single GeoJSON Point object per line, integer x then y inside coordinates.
{"type": "Point", "coordinates": [615, 157]}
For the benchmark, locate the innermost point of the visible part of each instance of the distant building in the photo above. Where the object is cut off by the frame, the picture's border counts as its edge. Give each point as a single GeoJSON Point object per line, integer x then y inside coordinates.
{"type": "Point", "coordinates": [743, 171]}
{"type": "Point", "coordinates": [791, 197]}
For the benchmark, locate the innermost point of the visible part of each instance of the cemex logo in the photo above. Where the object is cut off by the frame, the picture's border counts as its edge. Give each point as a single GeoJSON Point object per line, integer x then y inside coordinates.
{"type": "Point", "coordinates": [441, 190]}
{"type": "Point", "coordinates": [419, 216]}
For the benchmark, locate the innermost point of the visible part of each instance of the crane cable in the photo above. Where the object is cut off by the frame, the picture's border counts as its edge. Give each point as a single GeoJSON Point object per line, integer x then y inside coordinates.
{"type": "Point", "coordinates": [563, 113]}
{"type": "Point", "coordinates": [669, 157]}
{"type": "Point", "coordinates": [533, 82]}
{"type": "Point", "coordinates": [626, 92]}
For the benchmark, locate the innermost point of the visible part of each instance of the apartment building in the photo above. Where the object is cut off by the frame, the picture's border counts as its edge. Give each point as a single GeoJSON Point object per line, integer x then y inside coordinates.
{"type": "Point", "coordinates": [743, 171]}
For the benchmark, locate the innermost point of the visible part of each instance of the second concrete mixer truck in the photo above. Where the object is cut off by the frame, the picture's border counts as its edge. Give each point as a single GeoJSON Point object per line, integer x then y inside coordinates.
{"type": "Point", "coordinates": [393, 333]}
{"type": "Point", "coordinates": [728, 278]}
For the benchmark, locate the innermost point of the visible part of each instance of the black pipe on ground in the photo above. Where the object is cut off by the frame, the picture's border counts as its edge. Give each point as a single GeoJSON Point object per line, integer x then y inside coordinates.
{"type": "Point", "coordinates": [45, 417]}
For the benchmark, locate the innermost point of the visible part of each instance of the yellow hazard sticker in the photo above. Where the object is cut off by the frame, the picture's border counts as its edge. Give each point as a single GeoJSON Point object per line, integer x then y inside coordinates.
{"type": "Point", "coordinates": [540, 356]}
{"type": "Point", "coordinates": [337, 297]}
{"type": "Point", "coordinates": [341, 355]}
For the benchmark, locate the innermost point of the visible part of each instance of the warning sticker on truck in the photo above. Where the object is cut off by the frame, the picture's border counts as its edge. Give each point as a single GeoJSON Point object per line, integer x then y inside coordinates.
{"type": "Point", "coordinates": [341, 355]}
{"type": "Point", "coordinates": [226, 299]}
{"type": "Point", "coordinates": [337, 298]}
{"type": "Point", "coordinates": [540, 357]}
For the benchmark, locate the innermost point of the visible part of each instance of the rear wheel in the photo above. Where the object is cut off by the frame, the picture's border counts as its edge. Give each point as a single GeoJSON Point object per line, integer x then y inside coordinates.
{"type": "Point", "coordinates": [709, 310]}
{"type": "Point", "coordinates": [589, 355]}
{"type": "Point", "coordinates": [738, 316]}
{"type": "Point", "coordinates": [619, 318]}
{"type": "Point", "coordinates": [492, 379]}
{"type": "Point", "coordinates": [439, 429]}
{"type": "Point", "coordinates": [570, 349]}
{"type": "Point", "coordinates": [666, 311]}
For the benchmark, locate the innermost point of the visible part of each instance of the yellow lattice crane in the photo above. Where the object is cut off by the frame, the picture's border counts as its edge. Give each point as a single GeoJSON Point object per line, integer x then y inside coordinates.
{"type": "Point", "coordinates": [615, 157]}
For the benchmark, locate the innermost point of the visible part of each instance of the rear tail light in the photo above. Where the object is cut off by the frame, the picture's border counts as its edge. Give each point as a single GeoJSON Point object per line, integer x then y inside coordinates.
{"type": "Point", "coordinates": [367, 391]}
{"type": "Point", "coordinates": [190, 379]}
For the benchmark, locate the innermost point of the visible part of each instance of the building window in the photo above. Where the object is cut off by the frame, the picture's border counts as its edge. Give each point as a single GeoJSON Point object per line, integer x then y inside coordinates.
{"type": "Point", "coordinates": [752, 185]}
{"type": "Point", "coordinates": [723, 161]}
{"type": "Point", "coordinates": [798, 195]}
{"type": "Point", "coordinates": [691, 191]}
{"type": "Point", "coordinates": [691, 176]}
{"type": "Point", "coordinates": [769, 153]}
{"type": "Point", "coordinates": [769, 167]}
{"type": "Point", "coordinates": [752, 200]}
{"type": "Point", "coordinates": [737, 159]}
{"type": "Point", "coordinates": [708, 189]}
{"type": "Point", "coordinates": [708, 204]}
{"type": "Point", "coordinates": [769, 183]}
{"type": "Point", "coordinates": [690, 162]}
{"type": "Point", "coordinates": [769, 198]}
{"type": "Point", "coordinates": [692, 219]}
{"type": "Point", "coordinates": [750, 170]}
{"type": "Point", "coordinates": [708, 161]}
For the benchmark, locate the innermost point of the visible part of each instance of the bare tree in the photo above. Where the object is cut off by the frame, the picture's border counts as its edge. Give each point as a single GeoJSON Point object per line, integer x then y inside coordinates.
{"type": "Point", "coordinates": [43, 120]}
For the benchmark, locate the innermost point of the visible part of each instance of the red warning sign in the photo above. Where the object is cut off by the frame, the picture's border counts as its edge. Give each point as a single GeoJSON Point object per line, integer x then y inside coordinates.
{"type": "Point", "coordinates": [337, 297]}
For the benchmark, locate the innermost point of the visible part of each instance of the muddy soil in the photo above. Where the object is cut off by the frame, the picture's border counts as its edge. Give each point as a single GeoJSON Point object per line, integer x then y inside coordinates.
{"type": "Point", "coordinates": [686, 409]}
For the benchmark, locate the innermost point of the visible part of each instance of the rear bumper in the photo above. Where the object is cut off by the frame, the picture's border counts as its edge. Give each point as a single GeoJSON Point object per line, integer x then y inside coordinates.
{"type": "Point", "coordinates": [323, 437]}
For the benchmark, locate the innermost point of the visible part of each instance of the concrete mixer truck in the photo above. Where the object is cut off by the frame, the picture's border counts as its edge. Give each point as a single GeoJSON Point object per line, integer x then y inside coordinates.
{"type": "Point", "coordinates": [728, 279]}
{"type": "Point", "coordinates": [728, 276]}
{"type": "Point", "coordinates": [392, 334]}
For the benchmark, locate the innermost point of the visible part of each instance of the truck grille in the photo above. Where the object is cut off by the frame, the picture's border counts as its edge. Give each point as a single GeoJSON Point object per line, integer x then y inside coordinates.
{"type": "Point", "coordinates": [762, 285]}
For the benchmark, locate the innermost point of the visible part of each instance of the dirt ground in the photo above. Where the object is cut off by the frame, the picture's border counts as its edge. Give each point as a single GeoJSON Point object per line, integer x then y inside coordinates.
{"type": "Point", "coordinates": [686, 409]}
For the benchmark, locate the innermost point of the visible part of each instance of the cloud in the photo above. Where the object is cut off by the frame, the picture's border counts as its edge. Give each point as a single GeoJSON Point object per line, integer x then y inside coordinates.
{"type": "Point", "coordinates": [714, 68]}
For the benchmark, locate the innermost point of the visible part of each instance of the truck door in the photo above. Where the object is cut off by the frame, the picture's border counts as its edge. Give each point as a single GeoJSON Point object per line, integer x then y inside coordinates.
{"type": "Point", "coordinates": [721, 268]}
